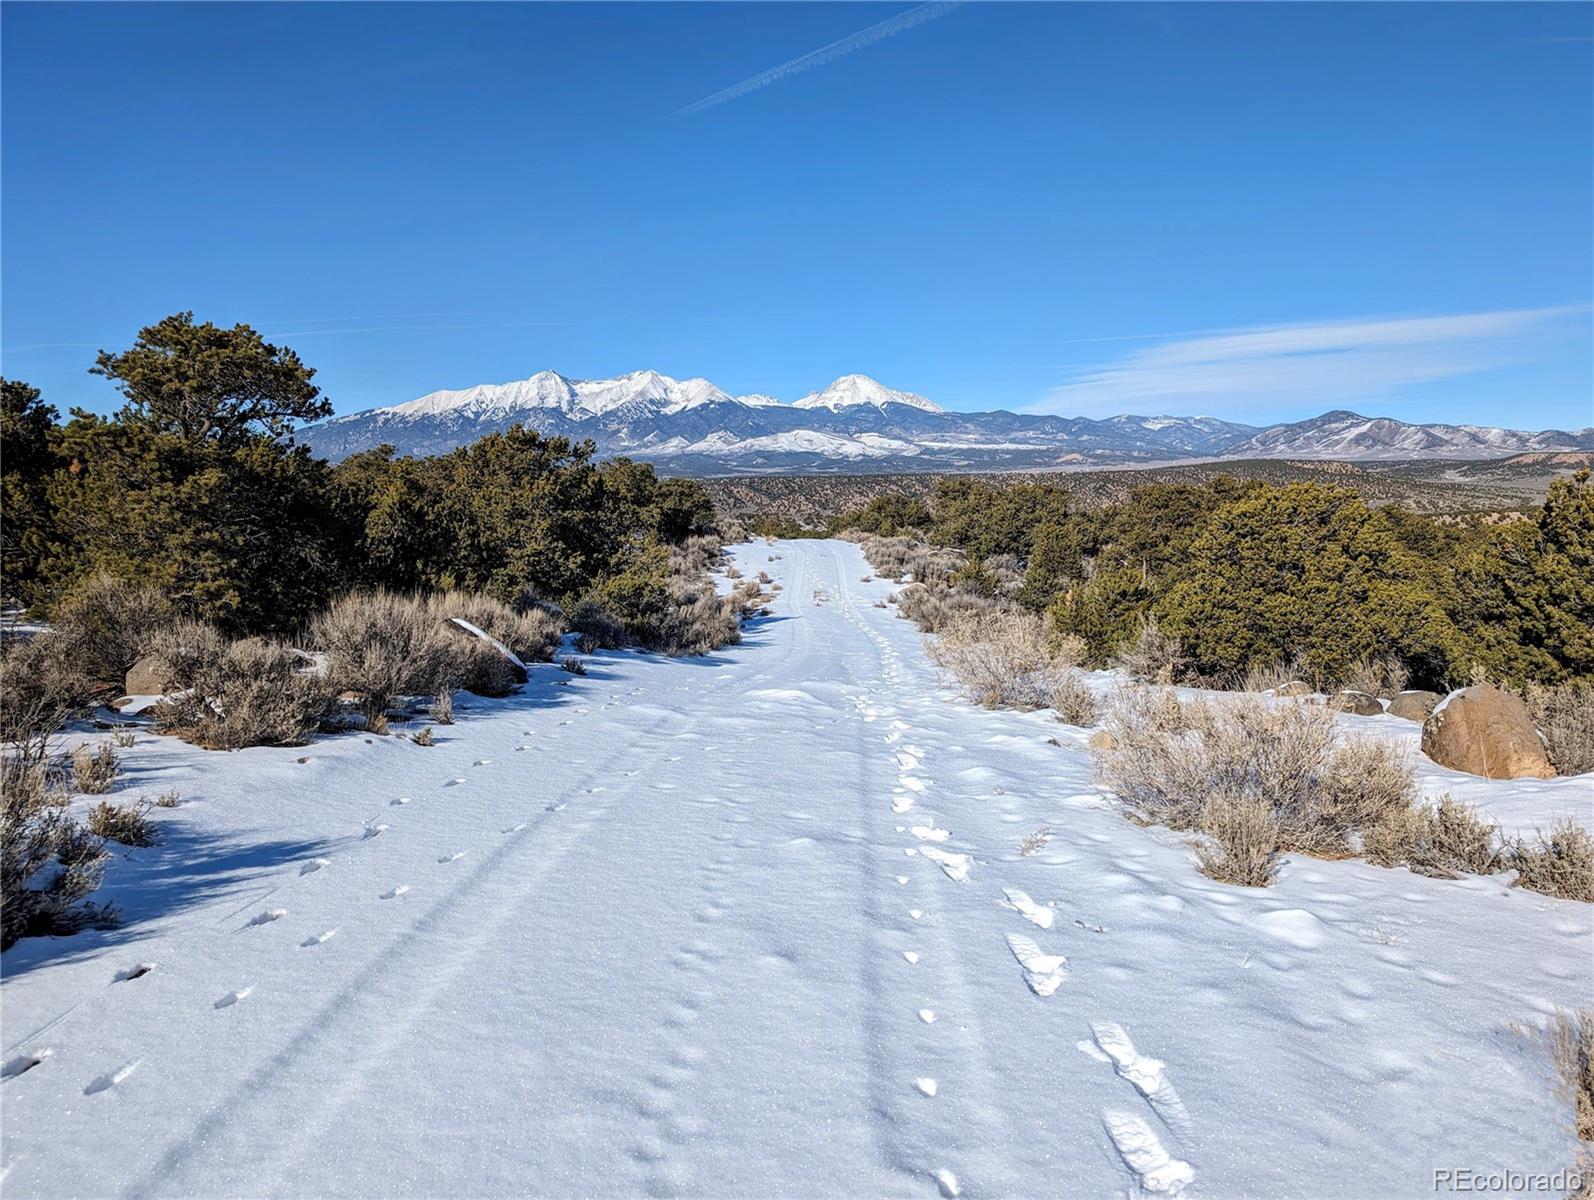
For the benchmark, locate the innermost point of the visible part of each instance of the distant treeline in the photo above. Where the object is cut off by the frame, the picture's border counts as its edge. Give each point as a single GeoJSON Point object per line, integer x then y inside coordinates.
{"type": "Point", "coordinates": [1250, 574]}
{"type": "Point", "coordinates": [196, 487]}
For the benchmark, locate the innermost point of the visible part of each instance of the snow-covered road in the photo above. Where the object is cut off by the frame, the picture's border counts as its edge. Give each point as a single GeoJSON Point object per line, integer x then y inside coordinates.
{"type": "Point", "coordinates": [757, 925]}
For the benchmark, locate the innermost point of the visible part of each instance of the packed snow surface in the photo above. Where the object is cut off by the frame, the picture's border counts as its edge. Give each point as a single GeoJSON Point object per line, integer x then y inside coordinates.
{"type": "Point", "coordinates": [758, 924]}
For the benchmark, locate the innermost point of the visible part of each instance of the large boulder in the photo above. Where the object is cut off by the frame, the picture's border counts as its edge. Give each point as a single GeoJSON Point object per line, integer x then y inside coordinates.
{"type": "Point", "coordinates": [146, 677]}
{"type": "Point", "coordinates": [1358, 703]}
{"type": "Point", "coordinates": [1414, 705]}
{"type": "Point", "coordinates": [1484, 731]}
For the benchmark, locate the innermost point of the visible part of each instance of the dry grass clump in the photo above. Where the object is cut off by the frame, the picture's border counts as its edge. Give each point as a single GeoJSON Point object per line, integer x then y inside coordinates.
{"type": "Point", "coordinates": [1382, 676]}
{"type": "Point", "coordinates": [49, 863]}
{"type": "Point", "coordinates": [1152, 656]}
{"type": "Point", "coordinates": [93, 771]}
{"type": "Point", "coordinates": [597, 629]}
{"type": "Point", "coordinates": [900, 557]}
{"type": "Point", "coordinates": [185, 647]}
{"type": "Point", "coordinates": [105, 622]}
{"type": "Point", "coordinates": [573, 665]}
{"type": "Point", "coordinates": [1213, 775]}
{"type": "Point", "coordinates": [1565, 716]}
{"type": "Point", "coordinates": [39, 690]}
{"type": "Point", "coordinates": [528, 628]}
{"type": "Point", "coordinates": [251, 693]}
{"type": "Point", "coordinates": [1072, 699]}
{"type": "Point", "coordinates": [441, 709]}
{"type": "Point", "coordinates": [1572, 1046]}
{"type": "Point", "coordinates": [383, 646]}
{"type": "Point", "coordinates": [933, 608]}
{"type": "Point", "coordinates": [1444, 839]}
{"type": "Point", "coordinates": [422, 737]}
{"type": "Point", "coordinates": [124, 823]}
{"type": "Point", "coordinates": [1241, 840]}
{"type": "Point", "coordinates": [1559, 863]}
{"type": "Point", "coordinates": [1035, 842]}
{"type": "Point", "coordinates": [1001, 658]}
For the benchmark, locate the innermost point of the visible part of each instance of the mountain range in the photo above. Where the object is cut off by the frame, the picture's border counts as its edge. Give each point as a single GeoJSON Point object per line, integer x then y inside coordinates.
{"type": "Point", "coordinates": [856, 424]}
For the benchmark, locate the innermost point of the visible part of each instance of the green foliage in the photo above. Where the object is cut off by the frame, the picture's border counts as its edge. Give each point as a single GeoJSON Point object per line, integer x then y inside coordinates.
{"type": "Point", "coordinates": [202, 382]}
{"type": "Point", "coordinates": [1310, 571]}
{"type": "Point", "coordinates": [889, 515]}
{"type": "Point", "coordinates": [27, 522]}
{"type": "Point", "coordinates": [984, 521]}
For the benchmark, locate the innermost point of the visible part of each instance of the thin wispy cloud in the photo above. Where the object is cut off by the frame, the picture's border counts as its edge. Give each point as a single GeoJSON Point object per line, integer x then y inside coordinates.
{"type": "Point", "coordinates": [1328, 364]}
{"type": "Point", "coordinates": [850, 44]}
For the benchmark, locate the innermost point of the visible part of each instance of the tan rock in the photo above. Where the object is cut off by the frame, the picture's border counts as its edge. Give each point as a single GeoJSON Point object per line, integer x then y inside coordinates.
{"type": "Point", "coordinates": [1358, 703]}
{"type": "Point", "coordinates": [1414, 705]}
{"type": "Point", "coordinates": [1484, 731]}
{"type": "Point", "coordinates": [146, 677]}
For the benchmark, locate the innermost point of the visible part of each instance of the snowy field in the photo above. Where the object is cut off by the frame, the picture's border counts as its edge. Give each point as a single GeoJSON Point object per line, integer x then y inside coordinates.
{"type": "Point", "coordinates": [759, 925]}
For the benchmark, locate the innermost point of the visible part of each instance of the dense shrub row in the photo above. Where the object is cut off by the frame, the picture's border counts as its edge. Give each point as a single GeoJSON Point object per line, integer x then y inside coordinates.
{"type": "Point", "coordinates": [1303, 579]}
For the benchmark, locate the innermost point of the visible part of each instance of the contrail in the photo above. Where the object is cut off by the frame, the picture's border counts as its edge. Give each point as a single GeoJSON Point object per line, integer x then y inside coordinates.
{"type": "Point", "coordinates": [825, 54]}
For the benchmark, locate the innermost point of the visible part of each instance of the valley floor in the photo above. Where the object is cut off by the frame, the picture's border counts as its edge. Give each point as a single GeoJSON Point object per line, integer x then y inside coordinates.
{"type": "Point", "coordinates": [756, 925]}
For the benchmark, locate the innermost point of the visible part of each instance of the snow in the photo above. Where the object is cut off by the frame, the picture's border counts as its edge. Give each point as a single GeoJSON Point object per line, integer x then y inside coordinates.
{"type": "Point", "coordinates": [852, 390]}
{"type": "Point", "coordinates": [659, 930]}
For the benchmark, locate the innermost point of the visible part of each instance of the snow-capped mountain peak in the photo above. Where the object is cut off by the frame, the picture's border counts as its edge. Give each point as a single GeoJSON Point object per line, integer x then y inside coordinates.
{"type": "Point", "coordinates": [852, 390]}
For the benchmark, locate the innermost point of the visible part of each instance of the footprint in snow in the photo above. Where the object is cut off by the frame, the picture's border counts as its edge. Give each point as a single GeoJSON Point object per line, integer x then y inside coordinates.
{"type": "Point", "coordinates": [947, 1182]}
{"type": "Point", "coordinates": [956, 866]}
{"type": "Point", "coordinates": [24, 1062]}
{"type": "Point", "coordinates": [400, 801]}
{"type": "Point", "coordinates": [314, 865]}
{"type": "Point", "coordinates": [136, 971]}
{"type": "Point", "coordinates": [454, 782]}
{"type": "Point", "coordinates": [315, 939]}
{"type": "Point", "coordinates": [110, 1079]}
{"type": "Point", "coordinates": [927, 1015]}
{"type": "Point", "coordinates": [1020, 903]}
{"type": "Point", "coordinates": [911, 956]}
{"type": "Point", "coordinates": [901, 804]}
{"type": "Point", "coordinates": [929, 833]}
{"type": "Point", "coordinates": [902, 879]}
{"type": "Point", "coordinates": [454, 857]}
{"type": "Point", "coordinates": [233, 997]}
{"type": "Point", "coordinates": [393, 893]}
{"type": "Point", "coordinates": [916, 913]}
{"type": "Point", "coordinates": [482, 762]}
{"type": "Point", "coordinates": [1043, 972]}
{"type": "Point", "coordinates": [372, 831]}
{"type": "Point", "coordinates": [1146, 1074]}
{"type": "Point", "coordinates": [267, 917]}
{"type": "Point", "coordinates": [926, 1085]}
{"type": "Point", "coordinates": [1155, 1169]}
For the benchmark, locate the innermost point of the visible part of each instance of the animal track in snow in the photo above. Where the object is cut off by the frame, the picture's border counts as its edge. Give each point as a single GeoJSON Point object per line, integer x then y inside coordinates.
{"type": "Point", "coordinates": [314, 865]}
{"type": "Point", "coordinates": [901, 804]}
{"type": "Point", "coordinates": [907, 760]}
{"type": "Point", "coordinates": [927, 1015]}
{"type": "Point", "coordinates": [927, 1085]}
{"type": "Point", "coordinates": [454, 857]}
{"type": "Point", "coordinates": [1043, 972]}
{"type": "Point", "coordinates": [136, 971]}
{"type": "Point", "coordinates": [911, 956]}
{"type": "Point", "coordinates": [1020, 903]}
{"type": "Point", "coordinates": [929, 833]}
{"type": "Point", "coordinates": [515, 828]}
{"type": "Point", "coordinates": [902, 879]}
{"type": "Point", "coordinates": [913, 783]}
{"type": "Point", "coordinates": [233, 997]}
{"type": "Point", "coordinates": [372, 831]}
{"type": "Point", "coordinates": [916, 913]}
{"type": "Point", "coordinates": [947, 1182]}
{"type": "Point", "coordinates": [394, 892]}
{"type": "Point", "coordinates": [1155, 1169]}
{"type": "Point", "coordinates": [110, 1079]}
{"type": "Point", "coordinates": [1144, 1073]}
{"type": "Point", "coordinates": [956, 866]}
{"type": "Point", "coordinates": [315, 939]}
{"type": "Point", "coordinates": [267, 917]}
{"type": "Point", "coordinates": [23, 1063]}
{"type": "Point", "coordinates": [482, 762]}
{"type": "Point", "coordinates": [454, 782]}
{"type": "Point", "coordinates": [400, 800]}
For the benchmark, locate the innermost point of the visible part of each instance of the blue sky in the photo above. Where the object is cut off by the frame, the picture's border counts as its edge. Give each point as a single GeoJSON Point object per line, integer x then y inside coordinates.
{"type": "Point", "coordinates": [1259, 211]}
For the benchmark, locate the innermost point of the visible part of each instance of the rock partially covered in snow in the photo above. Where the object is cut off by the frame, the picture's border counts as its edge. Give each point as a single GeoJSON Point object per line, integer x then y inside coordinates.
{"type": "Point", "coordinates": [1358, 703]}
{"type": "Point", "coordinates": [1484, 731]}
{"type": "Point", "coordinates": [1414, 705]}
